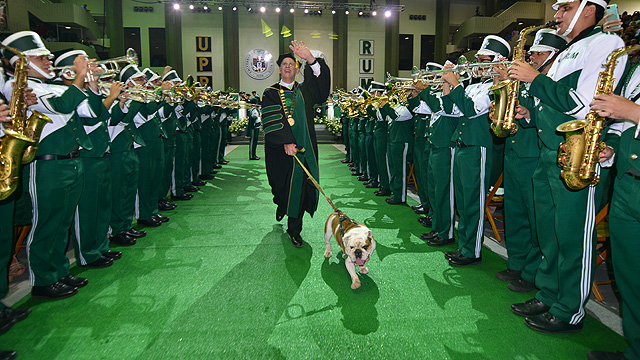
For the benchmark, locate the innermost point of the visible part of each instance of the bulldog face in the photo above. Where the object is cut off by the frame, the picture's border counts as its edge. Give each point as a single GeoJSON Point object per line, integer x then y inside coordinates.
{"type": "Point", "coordinates": [358, 243]}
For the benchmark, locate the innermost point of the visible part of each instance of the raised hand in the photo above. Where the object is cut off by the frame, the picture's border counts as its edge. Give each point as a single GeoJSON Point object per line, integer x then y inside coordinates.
{"type": "Point", "coordinates": [301, 51]}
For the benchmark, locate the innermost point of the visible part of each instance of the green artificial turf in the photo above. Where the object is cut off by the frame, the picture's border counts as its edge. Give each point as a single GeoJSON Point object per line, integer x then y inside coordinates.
{"type": "Point", "coordinates": [222, 281]}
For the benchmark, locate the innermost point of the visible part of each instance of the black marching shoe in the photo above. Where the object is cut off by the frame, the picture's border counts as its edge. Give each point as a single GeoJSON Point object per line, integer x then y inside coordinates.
{"type": "Point", "coordinates": [151, 222]}
{"type": "Point", "coordinates": [350, 164]}
{"type": "Point", "coordinates": [9, 316]}
{"type": "Point", "coordinates": [521, 285]}
{"type": "Point", "coordinates": [355, 173]}
{"type": "Point", "coordinates": [122, 239]}
{"type": "Point", "coordinates": [452, 254]}
{"type": "Point", "coordinates": [57, 290]}
{"type": "Point", "coordinates": [216, 166]}
{"type": "Point", "coordinates": [344, 161]}
{"type": "Point", "coordinates": [416, 207]}
{"type": "Point", "coordinates": [605, 355]}
{"type": "Point", "coordinates": [207, 177]}
{"type": "Point", "coordinates": [160, 218]}
{"type": "Point", "coordinates": [371, 185]}
{"type": "Point", "coordinates": [464, 261]}
{"type": "Point", "coordinates": [180, 197]}
{"type": "Point", "coordinates": [438, 241]}
{"type": "Point", "coordinates": [420, 211]}
{"type": "Point", "coordinates": [135, 233]}
{"type": "Point", "coordinates": [296, 240]}
{"type": "Point", "coordinates": [425, 221]}
{"type": "Point", "coordinates": [279, 215]}
{"type": "Point", "coordinates": [224, 162]}
{"type": "Point", "coordinates": [102, 262]}
{"type": "Point", "coordinates": [391, 201]}
{"type": "Point", "coordinates": [163, 206]}
{"type": "Point", "coordinates": [254, 158]}
{"type": "Point", "coordinates": [530, 308]}
{"type": "Point", "coordinates": [509, 275]}
{"type": "Point", "coordinates": [363, 178]}
{"type": "Point", "coordinates": [352, 168]}
{"type": "Point", "coordinates": [382, 192]}
{"type": "Point", "coordinates": [192, 188]}
{"type": "Point", "coordinates": [550, 324]}
{"type": "Point", "coordinates": [111, 254]}
{"type": "Point", "coordinates": [8, 355]}
{"type": "Point", "coordinates": [429, 235]}
{"type": "Point", "coordinates": [199, 183]}
{"type": "Point", "coordinates": [74, 281]}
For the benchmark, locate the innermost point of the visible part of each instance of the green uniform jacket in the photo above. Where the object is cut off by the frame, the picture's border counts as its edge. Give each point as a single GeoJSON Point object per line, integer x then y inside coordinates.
{"type": "Point", "coordinates": [472, 128]}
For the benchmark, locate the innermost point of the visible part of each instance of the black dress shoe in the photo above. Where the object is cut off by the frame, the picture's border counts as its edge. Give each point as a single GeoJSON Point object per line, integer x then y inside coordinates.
{"type": "Point", "coordinates": [8, 355]}
{"type": "Point", "coordinates": [57, 290]}
{"type": "Point", "coordinates": [529, 308]}
{"type": "Point", "coordinates": [344, 161]}
{"type": "Point", "coordinates": [136, 233]}
{"type": "Point", "coordinates": [169, 203]}
{"type": "Point", "coordinates": [9, 316]}
{"type": "Point", "coordinates": [605, 355]}
{"type": "Point", "coordinates": [350, 164]}
{"type": "Point", "coordinates": [522, 286]}
{"type": "Point", "coordinates": [383, 192]}
{"type": "Point", "coordinates": [548, 323]}
{"type": "Point", "coordinates": [429, 235]}
{"type": "Point", "coordinates": [452, 254]}
{"type": "Point", "coordinates": [509, 275]}
{"type": "Point", "coordinates": [199, 183]}
{"type": "Point", "coordinates": [438, 241]}
{"type": "Point", "coordinates": [416, 207]}
{"type": "Point", "coordinates": [279, 215]}
{"type": "Point", "coordinates": [224, 162]}
{"type": "Point", "coordinates": [355, 173]}
{"type": "Point", "coordinates": [74, 281]}
{"type": "Point", "coordinates": [254, 158]}
{"type": "Point", "coordinates": [296, 240]}
{"type": "Point", "coordinates": [217, 166]}
{"type": "Point", "coordinates": [162, 206]}
{"type": "Point", "coordinates": [160, 218]}
{"type": "Point", "coordinates": [371, 185]}
{"type": "Point", "coordinates": [420, 211]}
{"type": "Point", "coordinates": [425, 221]}
{"type": "Point", "coordinates": [463, 260]}
{"type": "Point", "coordinates": [352, 168]}
{"type": "Point", "coordinates": [122, 239]}
{"type": "Point", "coordinates": [181, 197]}
{"type": "Point", "coordinates": [391, 201]}
{"type": "Point", "coordinates": [111, 254]}
{"type": "Point", "coordinates": [207, 177]}
{"type": "Point", "coordinates": [192, 188]}
{"type": "Point", "coordinates": [102, 262]}
{"type": "Point", "coordinates": [149, 222]}
{"type": "Point", "coordinates": [363, 178]}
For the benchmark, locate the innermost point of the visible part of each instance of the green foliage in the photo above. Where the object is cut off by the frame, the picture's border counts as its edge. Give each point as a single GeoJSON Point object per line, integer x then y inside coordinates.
{"type": "Point", "coordinates": [334, 125]}
{"type": "Point", "coordinates": [237, 125]}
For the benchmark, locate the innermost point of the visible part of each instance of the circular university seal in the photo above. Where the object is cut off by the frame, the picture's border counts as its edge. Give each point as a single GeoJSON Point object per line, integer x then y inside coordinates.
{"type": "Point", "coordinates": [259, 64]}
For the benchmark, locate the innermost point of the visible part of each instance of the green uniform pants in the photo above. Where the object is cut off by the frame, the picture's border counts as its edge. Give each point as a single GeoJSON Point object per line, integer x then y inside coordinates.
{"type": "Point", "coordinates": [224, 130]}
{"type": "Point", "coordinates": [565, 223]}
{"type": "Point", "coordinates": [441, 195]}
{"type": "Point", "coordinates": [355, 151]}
{"type": "Point", "coordinates": [362, 150]}
{"type": "Point", "coordinates": [372, 165]}
{"type": "Point", "coordinates": [196, 155]}
{"type": "Point", "coordinates": [151, 158]}
{"type": "Point", "coordinates": [207, 147]}
{"type": "Point", "coordinates": [345, 139]}
{"type": "Point", "coordinates": [55, 187]}
{"type": "Point", "coordinates": [215, 146]}
{"type": "Point", "coordinates": [420, 164]}
{"type": "Point", "coordinates": [180, 164]}
{"type": "Point", "coordinates": [519, 217]}
{"type": "Point", "coordinates": [93, 213]}
{"type": "Point", "coordinates": [624, 227]}
{"type": "Point", "coordinates": [124, 185]}
{"type": "Point", "coordinates": [398, 153]}
{"type": "Point", "coordinates": [380, 144]}
{"type": "Point", "coordinates": [253, 143]}
{"type": "Point", "coordinates": [470, 167]}
{"type": "Point", "coordinates": [169, 145]}
{"type": "Point", "coordinates": [7, 208]}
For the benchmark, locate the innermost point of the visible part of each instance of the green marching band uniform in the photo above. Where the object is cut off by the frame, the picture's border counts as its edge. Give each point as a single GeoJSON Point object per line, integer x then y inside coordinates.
{"type": "Point", "coordinates": [54, 202]}
{"type": "Point", "coordinates": [372, 165]}
{"type": "Point", "coordinates": [225, 121]}
{"type": "Point", "coordinates": [253, 130]}
{"type": "Point", "coordinates": [521, 154]}
{"type": "Point", "coordinates": [398, 149]}
{"type": "Point", "coordinates": [381, 143]}
{"type": "Point", "coordinates": [344, 118]}
{"type": "Point", "coordinates": [206, 156]}
{"type": "Point", "coordinates": [472, 161]}
{"type": "Point", "coordinates": [353, 144]}
{"type": "Point", "coordinates": [195, 130]}
{"type": "Point", "coordinates": [362, 148]}
{"type": "Point", "coordinates": [293, 192]}
{"type": "Point", "coordinates": [565, 219]}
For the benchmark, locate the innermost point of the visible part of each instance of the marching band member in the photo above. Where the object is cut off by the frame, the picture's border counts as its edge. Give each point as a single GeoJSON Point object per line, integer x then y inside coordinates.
{"type": "Point", "coordinates": [372, 167]}
{"type": "Point", "coordinates": [380, 144]}
{"type": "Point", "coordinates": [565, 219]}
{"type": "Point", "coordinates": [253, 129]}
{"type": "Point", "coordinates": [471, 162]}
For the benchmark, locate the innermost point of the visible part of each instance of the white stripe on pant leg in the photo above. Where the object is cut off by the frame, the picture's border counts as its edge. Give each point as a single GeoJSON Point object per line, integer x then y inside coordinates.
{"type": "Point", "coordinates": [173, 178]}
{"type": "Point", "coordinates": [136, 209]}
{"type": "Point", "coordinates": [386, 159]}
{"type": "Point", "coordinates": [452, 199]}
{"type": "Point", "coordinates": [34, 217]}
{"type": "Point", "coordinates": [403, 198]}
{"type": "Point", "coordinates": [76, 226]}
{"type": "Point", "coordinates": [479, 232]}
{"type": "Point", "coordinates": [585, 273]}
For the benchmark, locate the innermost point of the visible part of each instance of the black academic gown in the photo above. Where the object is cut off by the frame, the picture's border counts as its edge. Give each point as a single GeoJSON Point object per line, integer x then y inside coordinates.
{"type": "Point", "coordinates": [292, 191]}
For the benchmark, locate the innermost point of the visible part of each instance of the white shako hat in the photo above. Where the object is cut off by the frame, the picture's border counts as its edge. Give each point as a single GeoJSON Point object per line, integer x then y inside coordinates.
{"type": "Point", "coordinates": [376, 86]}
{"type": "Point", "coordinates": [547, 40]}
{"type": "Point", "coordinates": [66, 58]}
{"type": "Point", "coordinates": [28, 42]}
{"type": "Point", "coordinates": [150, 75]}
{"type": "Point", "coordinates": [171, 75]}
{"type": "Point", "coordinates": [494, 46]}
{"type": "Point", "coordinates": [129, 72]}
{"type": "Point", "coordinates": [433, 66]}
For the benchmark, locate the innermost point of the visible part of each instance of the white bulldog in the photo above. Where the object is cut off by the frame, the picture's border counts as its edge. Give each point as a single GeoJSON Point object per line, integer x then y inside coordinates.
{"type": "Point", "coordinates": [357, 243]}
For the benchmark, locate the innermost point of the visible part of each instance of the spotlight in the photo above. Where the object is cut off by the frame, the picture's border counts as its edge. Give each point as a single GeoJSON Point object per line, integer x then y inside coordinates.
{"type": "Point", "coordinates": [292, 10]}
{"type": "Point", "coordinates": [374, 13]}
{"type": "Point", "coordinates": [263, 9]}
{"type": "Point", "coordinates": [220, 8]}
{"type": "Point", "coordinates": [249, 9]}
{"type": "Point", "coordinates": [176, 6]}
{"type": "Point", "coordinates": [205, 8]}
{"type": "Point", "coordinates": [191, 7]}
{"type": "Point", "coordinates": [278, 10]}
{"type": "Point", "coordinates": [360, 13]}
{"type": "Point", "coordinates": [346, 12]}
{"type": "Point", "coordinates": [319, 12]}
{"type": "Point", "coordinates": [333, 12]}
{"type": "Point", "coordinates": [306, 11]}
{"type": "Point", "coordinates": [234, 8]}
{"type": "Point", "coordinates": [387, 14]}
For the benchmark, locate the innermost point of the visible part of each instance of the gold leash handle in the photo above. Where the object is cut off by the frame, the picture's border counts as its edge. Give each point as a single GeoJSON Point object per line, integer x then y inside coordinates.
{"type": "Point", "coordinates": [315, 183]}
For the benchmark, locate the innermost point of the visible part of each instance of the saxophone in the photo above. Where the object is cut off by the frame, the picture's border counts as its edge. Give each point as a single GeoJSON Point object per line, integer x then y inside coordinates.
{"type": "Point", "coordinates": [579, 154]}
{"type": "Point", "coordinates": [503, 109]}
{"type": "Point", "coordinates": [20, 142]}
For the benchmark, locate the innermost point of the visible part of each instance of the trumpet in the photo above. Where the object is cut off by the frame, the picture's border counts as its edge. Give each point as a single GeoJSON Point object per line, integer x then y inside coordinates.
{"type": "Point", "coordinates": [142, 95]}
{"type": "Point", "coordinates": [111, 66]}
